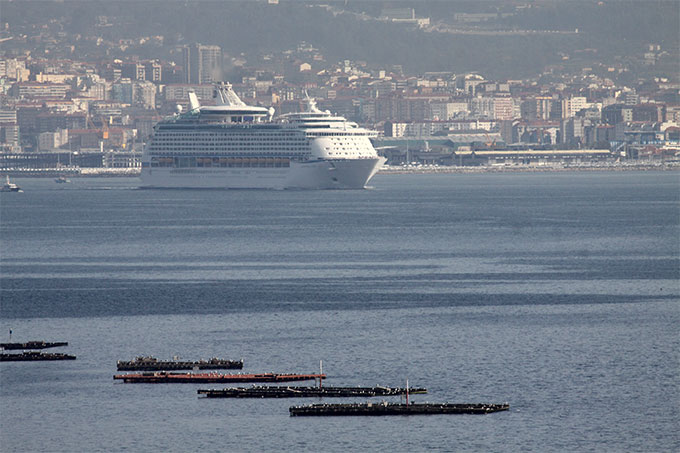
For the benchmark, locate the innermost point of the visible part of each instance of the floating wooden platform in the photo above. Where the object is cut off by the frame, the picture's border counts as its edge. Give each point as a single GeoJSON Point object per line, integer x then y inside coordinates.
{"type": "Point", "coordinates": [385, 408]}
{"type": "Point", "coordinates": [302, 392]}
{"type": "Point", "coordinates": [162, 377]}
{"type": "Point", "coordinates": [33, 345]}
{"type": "Point", "coordinates": [33, 356]}
{"type": "Point", "coordinates": [153, 364]}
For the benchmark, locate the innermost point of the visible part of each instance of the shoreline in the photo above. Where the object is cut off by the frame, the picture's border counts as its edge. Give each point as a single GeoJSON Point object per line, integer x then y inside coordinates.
{"type": "Point", "coordinates": [73, 172]}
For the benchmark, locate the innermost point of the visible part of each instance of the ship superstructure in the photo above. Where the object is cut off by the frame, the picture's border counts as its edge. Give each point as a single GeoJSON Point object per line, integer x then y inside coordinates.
{"type": "Point", "coordinates": [234, 145]}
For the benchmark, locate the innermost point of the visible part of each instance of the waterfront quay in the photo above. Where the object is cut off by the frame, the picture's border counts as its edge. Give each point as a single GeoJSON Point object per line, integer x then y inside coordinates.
{"type": "Point", "coordinates": [548, 167]}
{"type": "Point", "coordinates": [52, 172]}
{"type": "Point", "coordinates": [68, 171]}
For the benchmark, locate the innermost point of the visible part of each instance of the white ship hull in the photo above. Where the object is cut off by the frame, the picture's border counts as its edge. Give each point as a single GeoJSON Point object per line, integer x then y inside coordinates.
{"type": "Point", "coordinates": [319, 174]}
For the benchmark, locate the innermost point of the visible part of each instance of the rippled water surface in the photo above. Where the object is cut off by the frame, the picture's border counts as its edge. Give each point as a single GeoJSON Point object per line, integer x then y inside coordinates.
{"type": "Point", "coordinates": [558, 293]}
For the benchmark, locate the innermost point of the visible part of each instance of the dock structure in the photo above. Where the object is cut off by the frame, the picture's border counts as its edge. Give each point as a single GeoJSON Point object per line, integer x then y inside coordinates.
{"type": "Point", "coordinates": [305, 392]}
{"type": "Point", "coordinates": [153, 364]}
{"type": "Point", "coordinates": [162, 377]}
{"type": "Point", "coordinates": [384, 408]}
{"type": "Point", "coordinates": [34, 356]}
{"type": "Point", "coordinates": [32, 345]}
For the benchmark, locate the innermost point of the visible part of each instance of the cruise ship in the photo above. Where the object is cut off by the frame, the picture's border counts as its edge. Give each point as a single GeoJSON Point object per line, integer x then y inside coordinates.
{"type": "Point", "coordinates": [232, 145]}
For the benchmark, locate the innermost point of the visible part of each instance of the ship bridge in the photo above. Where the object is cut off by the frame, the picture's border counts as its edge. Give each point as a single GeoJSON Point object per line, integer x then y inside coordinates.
{"type": "Point", "coordinates": [318, 123]}
{"type": "Point", "coordinates": [228, 108]}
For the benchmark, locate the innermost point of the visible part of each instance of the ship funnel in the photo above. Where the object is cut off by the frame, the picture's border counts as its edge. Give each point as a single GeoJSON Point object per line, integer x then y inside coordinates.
{"type": "Point", "coordinates": [311, 104]}
{"type": "Point", "coordinates": [193, 101]}
{"type": "Point", "coordinates": [225, 95]}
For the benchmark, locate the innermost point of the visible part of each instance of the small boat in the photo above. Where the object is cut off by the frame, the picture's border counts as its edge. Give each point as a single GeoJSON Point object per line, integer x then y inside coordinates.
{"type": "Point", "coordinates": [62, 180]}
{"type": "Point", "coordinates": [10, 186]}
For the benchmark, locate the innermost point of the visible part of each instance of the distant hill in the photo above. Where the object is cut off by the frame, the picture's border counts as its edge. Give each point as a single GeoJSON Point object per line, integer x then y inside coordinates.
{"type": "Point", "coordinates": [613, 28]}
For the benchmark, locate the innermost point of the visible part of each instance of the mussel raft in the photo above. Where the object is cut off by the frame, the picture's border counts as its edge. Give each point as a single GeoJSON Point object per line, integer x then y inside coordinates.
{"type": "Point", "coordinates": [153, 364]}
{"type": "Point", "coordinates": [302, 392]}
{"type": "Point", "coordinates": [385, 408]}
{"type": "Point", "coordinates": [33, 345]}
{"type": "Point", "coordinates": [161, 377]}
{"type": "Point", "coordinates": [34, 356]}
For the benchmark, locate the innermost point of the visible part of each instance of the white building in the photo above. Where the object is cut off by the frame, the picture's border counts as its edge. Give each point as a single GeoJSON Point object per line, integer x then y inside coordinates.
{"type": "Point", "coordinates": [576, 104]}
{"type": "Point", "coordinates": [418, 129]}
{"type": "Point", "coordinates": [144, 95]}
{"type": "Point", "coordinates": [8, 116]}
{"type": "Point", "coordinates": [180, 92]}
{"type": "Point", "coordinates": [503, 108]}
{"type": "Point", "coordinates": [482, 106]}
{"type": "Point", "coordinates": [444, 111]}
{"type": "Point", "coordinates": [48, 141]}
{"type": "Point", "coordinates": [9, 137]}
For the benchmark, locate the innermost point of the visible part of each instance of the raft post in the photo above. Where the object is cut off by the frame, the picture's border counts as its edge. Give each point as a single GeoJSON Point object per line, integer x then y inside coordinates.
{"type": "Point", "coordinates": [320, 372]}
{"type": "Point", "coordinates": [407, 392]}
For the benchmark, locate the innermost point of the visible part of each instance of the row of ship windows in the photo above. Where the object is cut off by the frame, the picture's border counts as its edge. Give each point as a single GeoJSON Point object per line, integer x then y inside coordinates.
{"type": "Point", "coordinates": [342, 148]}
{"type": "Point", "coordinates": [185, 153]}
{"type": "Point", "coordinates": [213, 140]}
{"type": "Point", "coordinates": [341, 134]}
{"type": "Point", "coordinates": [231, 136]}
{"type": "Point", "coordinates": [166, 138]}
{"type": "Point", "coordinates": [231, 142]}
{"type": "Point", "coordinates": [259, 149]}
{"type": "Point", "coordinates": [222, 162]}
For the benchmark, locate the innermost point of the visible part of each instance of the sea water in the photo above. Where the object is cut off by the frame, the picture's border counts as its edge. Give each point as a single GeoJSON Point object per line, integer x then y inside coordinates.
{"type": "Point", "coordinates": [555, 292]}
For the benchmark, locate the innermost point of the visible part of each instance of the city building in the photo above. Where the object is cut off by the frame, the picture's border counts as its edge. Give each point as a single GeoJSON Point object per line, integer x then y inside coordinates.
{"type": "Point", "coordinates": [202, 63]}
{"type": "Point", "coordinates": [133, 71]}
